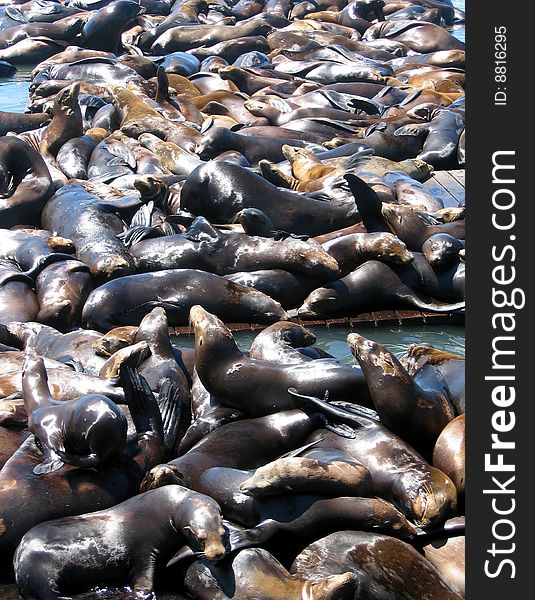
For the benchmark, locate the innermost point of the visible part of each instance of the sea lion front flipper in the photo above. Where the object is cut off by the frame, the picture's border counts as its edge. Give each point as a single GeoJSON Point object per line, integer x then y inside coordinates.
{"type": "Point", "coordinates": [51, 463]}
{"type": "Point", "coordinates": [201, 231]}
{"type": "Point", "coordinates": [414, 129]}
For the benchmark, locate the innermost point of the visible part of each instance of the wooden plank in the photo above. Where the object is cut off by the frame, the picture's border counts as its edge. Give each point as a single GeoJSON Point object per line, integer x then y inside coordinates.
{"type": "Point", "coordinates": [434, 187]}
{"type": "Point", "coordinates": [374, 318]}
{"type": "Point", "coordinates": [458, 174]}
{"type": "Point", "coordinates": [451, 185]}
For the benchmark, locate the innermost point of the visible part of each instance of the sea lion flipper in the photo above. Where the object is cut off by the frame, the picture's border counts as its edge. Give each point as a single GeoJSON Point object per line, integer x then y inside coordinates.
{"type": "Point", "coordinates": [136, 234]}
{"type": "Point", "coordinates": [298, 451]}
{"type": "Point", "coordinates": [170, 409]}
{"type": "Point", "coordinates": [141, 403]}
{"type": "Point", "coordinates": [341, 430]}
{"type": "Point", "coordinates": [414, 129]}
{"type": "Point", "coordinates": [201, 231]}
{"type": "Point", "coordinates": [51, 463]}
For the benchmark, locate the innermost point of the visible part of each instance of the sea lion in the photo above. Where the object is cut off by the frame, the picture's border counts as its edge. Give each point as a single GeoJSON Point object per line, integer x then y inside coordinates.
{"type": "Point", "coordinates": [384, 566]}
{"type": "Point", "coordinates": [73, 157]}
{"type": "Point", "coordinates": [218, 191]}
{"type": "Point", "coordinates": [294, 475]}
{"type": "Point", "coordinates": [70, 490]}
{"type": "Point", "coordinates": [128, 300]}
{"type": "Point", "coordinates": [62, 289]}
{"type": "Point", "coordinates": [423, 360]}
{"type": "Point", "coordinates": [441, 249]}
{"type": "Point", "coordinates": [92, 225]}
{"type": "Point", "coordinates": [204, 247]}
{"type": "Point", "coordinates": [418, 415]}
{"type": "Point", "coordinates": [448, 558]}
{"type": "Point", "coordinates": [66, 122]}
{"type": "Point", "coordinates": [350, 251]}
{"type": "Point", "coordinates": [255, 573]}
{"type": "Point", "coordinates": [411, 228]}
{"type": "Point", "coordinates": [25, 183]}
{"type": "Point", "coordinates": [83, 432]}
{"type": "Point", "coordinates": [228, 373]}
{"type": "Point", "coordinates": [372, 286]}
{"type": "Point", "coordinates": [280, 342]}
{"type": "Point", "coordinates": [449, 454]}
{"type": "Point", "coordinates": [280, 433]}
{"type": "Point", "coordinates": [128, 553]}
{"type": "Point", "coordinates": [17, 122]}
{"type": "Point", "coordinates": [104, 28]}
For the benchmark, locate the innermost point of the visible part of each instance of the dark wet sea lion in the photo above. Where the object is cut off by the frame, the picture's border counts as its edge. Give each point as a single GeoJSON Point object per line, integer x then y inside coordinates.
{"type": "Point", "coordinates": [204, 247]}
{"type": "Point", "coordinates": [385, 567]}
{"type": "Point", "coordinates": [31, 50]}
{"type": "Point", "coordinates": [218, 191]}
{"type": "Point", "coordinates": [73, 157]}
{"type": "Point", "coordinates": [25, 183]}
{"type": "Point", "coordinates": [422, 361]}
{"type": "Point", "coordinates": [91, 224]}
{"type": "Point", "coordinates": [418, 415]}
{"type": "Point", "coordinates": [128, 553]}
{"type": "Point", "coordinates": [70, 490]}
{"type": "Point", "coordinates": [103, 29]}
{"type": "Point", "coordinates": [254, 148]}
{"type": "Point", "coordinates": [228, 373]}
{"type": "Point", "coordinates": [441, 249]}
{"type": "Point", "coordinates": [64, 30]}
{"type": "Point", "coordinates": [372, 286]}
{"type": "Point", "coordinates": [84, 432]}
{"type": "Point", "coordinates": [279, 343]}
{"type": "Point", "coordinates": [62, 289]}
{"type": "Point", "coordinates": [254, 573]}
{"type": "Point", "coordinates": [128, 300]}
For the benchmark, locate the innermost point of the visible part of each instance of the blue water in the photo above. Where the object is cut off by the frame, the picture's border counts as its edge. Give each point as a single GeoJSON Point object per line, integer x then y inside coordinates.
{"type": "Point", "coordinates": [396, 339]}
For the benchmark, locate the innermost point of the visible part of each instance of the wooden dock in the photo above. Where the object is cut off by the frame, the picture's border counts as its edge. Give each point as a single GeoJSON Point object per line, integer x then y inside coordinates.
{"type": "Point", "coordinates": [447, 185]}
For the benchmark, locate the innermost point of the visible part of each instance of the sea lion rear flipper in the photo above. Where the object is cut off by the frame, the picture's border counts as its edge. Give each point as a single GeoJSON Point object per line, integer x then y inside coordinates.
{"type": "Point", "coordinates": [141, 403]}
{"type": "Point", "coordinates": [134, 235]}
{"type": "Point", "coordinates": [341, 430]}
{"type": "Point", "coordinates": [170, 408]}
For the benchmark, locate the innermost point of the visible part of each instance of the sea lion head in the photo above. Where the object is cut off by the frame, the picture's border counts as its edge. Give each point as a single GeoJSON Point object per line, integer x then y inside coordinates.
{"type": "Point", "coordinates": [205, 532]}
{"type": "Point", "coordinates": [425, 498]}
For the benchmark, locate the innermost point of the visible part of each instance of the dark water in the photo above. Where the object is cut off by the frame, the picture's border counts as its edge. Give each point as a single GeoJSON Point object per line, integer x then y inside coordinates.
{"type": "Point", "coordinates": [396, 339]}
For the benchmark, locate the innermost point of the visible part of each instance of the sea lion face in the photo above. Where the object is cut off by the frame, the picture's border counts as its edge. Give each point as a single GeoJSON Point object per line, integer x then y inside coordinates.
{"type": "Point", "coordinates": [67, 99]}
{"type": "Point", "coordinates": [425, 498]}
{"type": "Point", "coordinates": [318, 303]}
{"type": "Point", "coordinates": [205, 532]}
{"type": "Point", "coordinates": [393, 249]}
{"type": "Point", "coordinates": [214, 142]}
{"type": "Point", "coordinates": [441, 249]}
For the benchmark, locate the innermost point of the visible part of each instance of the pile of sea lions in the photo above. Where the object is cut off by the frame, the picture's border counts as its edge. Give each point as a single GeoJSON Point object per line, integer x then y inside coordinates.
{"type": "Point", "coordinates": [227, 162]}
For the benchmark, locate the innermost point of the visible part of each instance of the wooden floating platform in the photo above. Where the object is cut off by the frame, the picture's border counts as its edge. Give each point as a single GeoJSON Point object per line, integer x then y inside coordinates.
{"type": "Point", "coordinates": [448, 186]}
{"type": "Point", "coordinates": [382, 317]}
